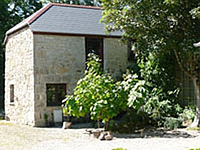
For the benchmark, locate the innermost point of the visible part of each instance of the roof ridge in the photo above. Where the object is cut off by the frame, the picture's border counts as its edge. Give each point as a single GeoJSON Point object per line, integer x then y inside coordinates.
{"type": "Point", "coordinates": [77, 6]}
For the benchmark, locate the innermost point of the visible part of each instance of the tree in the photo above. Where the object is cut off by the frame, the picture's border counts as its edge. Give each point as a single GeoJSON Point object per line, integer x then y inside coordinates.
{"type": "Point", "coordinates": [160, 26]}
{"type": "Point", "coordinates": [3, 26]}
{"type": "Point", "coordinates": [21, 9]}
{"type": "Point", "coordinates": [95, 94]}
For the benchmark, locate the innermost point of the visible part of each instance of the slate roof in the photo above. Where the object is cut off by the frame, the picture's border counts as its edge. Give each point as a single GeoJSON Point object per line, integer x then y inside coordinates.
{"type": "Point", "coordinates": [66, 19]}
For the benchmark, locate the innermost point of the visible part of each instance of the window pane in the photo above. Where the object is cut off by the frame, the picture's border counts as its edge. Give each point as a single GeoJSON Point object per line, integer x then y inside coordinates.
{"type": "Point", "coordinates": [12, 93]}
{"type": "Point", "coordinates": [94, 45]}
{"type": "Point", "coordinates": [55, 94]}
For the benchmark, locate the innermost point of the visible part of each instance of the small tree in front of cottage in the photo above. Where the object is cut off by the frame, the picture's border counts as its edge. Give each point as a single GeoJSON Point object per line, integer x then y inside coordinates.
{"type": "Point", "coordinates": [96, 94]}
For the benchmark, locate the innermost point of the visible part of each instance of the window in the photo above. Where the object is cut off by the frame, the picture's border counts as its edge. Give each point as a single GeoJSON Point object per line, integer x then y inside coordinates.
{"type": "Point", "coordinates": [12, 94]}
{"type": "Point", "coordinates": [94, 45]}
{"type": "Point", "coordinates": [55, 94]}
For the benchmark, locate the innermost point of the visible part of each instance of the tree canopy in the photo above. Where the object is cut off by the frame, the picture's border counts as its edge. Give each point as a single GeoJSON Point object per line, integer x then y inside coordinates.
{"type": "Point", "coordinates": [160, 26]}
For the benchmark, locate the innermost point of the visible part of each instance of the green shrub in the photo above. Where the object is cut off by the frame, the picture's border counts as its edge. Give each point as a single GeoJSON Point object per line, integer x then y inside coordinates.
{"type": "Point", "coordinates": [172, 123]}
{"type": "Point", "coordinates": [100, 96]}
{"type": "Point", "coordinates": [145, 98]}
{"type": "Point", "coordinates": [188, 114]}
{"type": "Point", "coordinates": [181, 116]}
{"type": "Point", "coordinates": [96, 94]}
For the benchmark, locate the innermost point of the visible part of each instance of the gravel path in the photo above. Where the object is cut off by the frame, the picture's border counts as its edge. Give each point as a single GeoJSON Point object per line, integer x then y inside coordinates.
{"type": "Point", "coordinates": [17, 137]}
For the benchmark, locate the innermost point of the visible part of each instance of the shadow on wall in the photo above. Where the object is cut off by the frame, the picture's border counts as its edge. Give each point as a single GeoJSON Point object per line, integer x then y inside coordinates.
{"type": "Point", "coordinates": [1, 102]}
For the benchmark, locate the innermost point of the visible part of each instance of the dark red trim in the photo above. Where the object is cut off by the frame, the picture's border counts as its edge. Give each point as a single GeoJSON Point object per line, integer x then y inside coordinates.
{"type": "Point", "coordinates": [84, 35]}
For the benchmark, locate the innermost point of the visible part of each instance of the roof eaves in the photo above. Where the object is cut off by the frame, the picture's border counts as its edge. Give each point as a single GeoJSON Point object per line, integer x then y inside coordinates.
{"type": "Point", "coordinates": [77, 34]}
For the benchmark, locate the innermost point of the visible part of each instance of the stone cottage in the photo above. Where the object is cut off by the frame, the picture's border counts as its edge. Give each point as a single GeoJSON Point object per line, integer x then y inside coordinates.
{"type": "Point", "coordinates": [46, 55]}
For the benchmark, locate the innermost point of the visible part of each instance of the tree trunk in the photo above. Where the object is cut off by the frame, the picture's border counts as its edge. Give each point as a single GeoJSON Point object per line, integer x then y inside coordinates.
{"type": "Point", "coordinates": [196, 121]}
{"type": "Point", "coordinates": [98, 123]}
{"type": "Point", "coordinates": [107, 126]}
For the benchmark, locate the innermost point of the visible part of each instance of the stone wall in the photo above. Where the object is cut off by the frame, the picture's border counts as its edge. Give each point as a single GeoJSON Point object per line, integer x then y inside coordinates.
{"type": "Point", "coordinates": [19, 72]}
{"type": "Point", "coordinates": [61, 59]}
{"type": "Point", "coordinates": [58, 59]}
{"type": "Point", "coordinates": [115, 57]}
{"type": "Point", "coordinates": [34, 60]}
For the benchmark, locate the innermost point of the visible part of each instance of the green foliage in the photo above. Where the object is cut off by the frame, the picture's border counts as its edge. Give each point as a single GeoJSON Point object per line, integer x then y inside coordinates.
{"type": "Point", "coordinates": [144, 96]}
{"type": "Point", "coordinates": [101, 97]}
{"type": "Point", "coordinates": [160, 28]}
{"type": "Point", "coordinates": [172, 123]}
{"type": "Point", "coordinates": [152, 90]}
{"type": "Point", "coordinates": [181, 116]}
{"type": "Point", "coordinates": [157, 26]}
{"type": "Point", "coordinates": [96, 94]}
{"type": "Point", "coordinates": [21, 9]}
{"type": "Point", "coordinates": [119, 148]}
{"type": "Point", "coordinates": [157, 91]}
{"type": "Point", "coordinates": [134, 89]}
{"type": "Point", "coordinates": [71, 107]}
{"type": "Point", "coordinates": [177, 110]}
{"type": "Point", "coordinates": [46, 116]}
{"type": "Point", "coordinates": [4, 24]}
{"type": "Point", "coordinates": [188, 114]}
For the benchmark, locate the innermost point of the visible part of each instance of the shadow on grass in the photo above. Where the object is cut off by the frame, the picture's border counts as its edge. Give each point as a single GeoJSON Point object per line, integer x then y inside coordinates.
{"type": "Point", "coordinates": [147, 133]}
{"type": "Point", "coordinates": [73, 126]}
{"type": "Point", "coordinates": [157, 134]}
{"type": "Point", "coordinates": [152, 133]}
